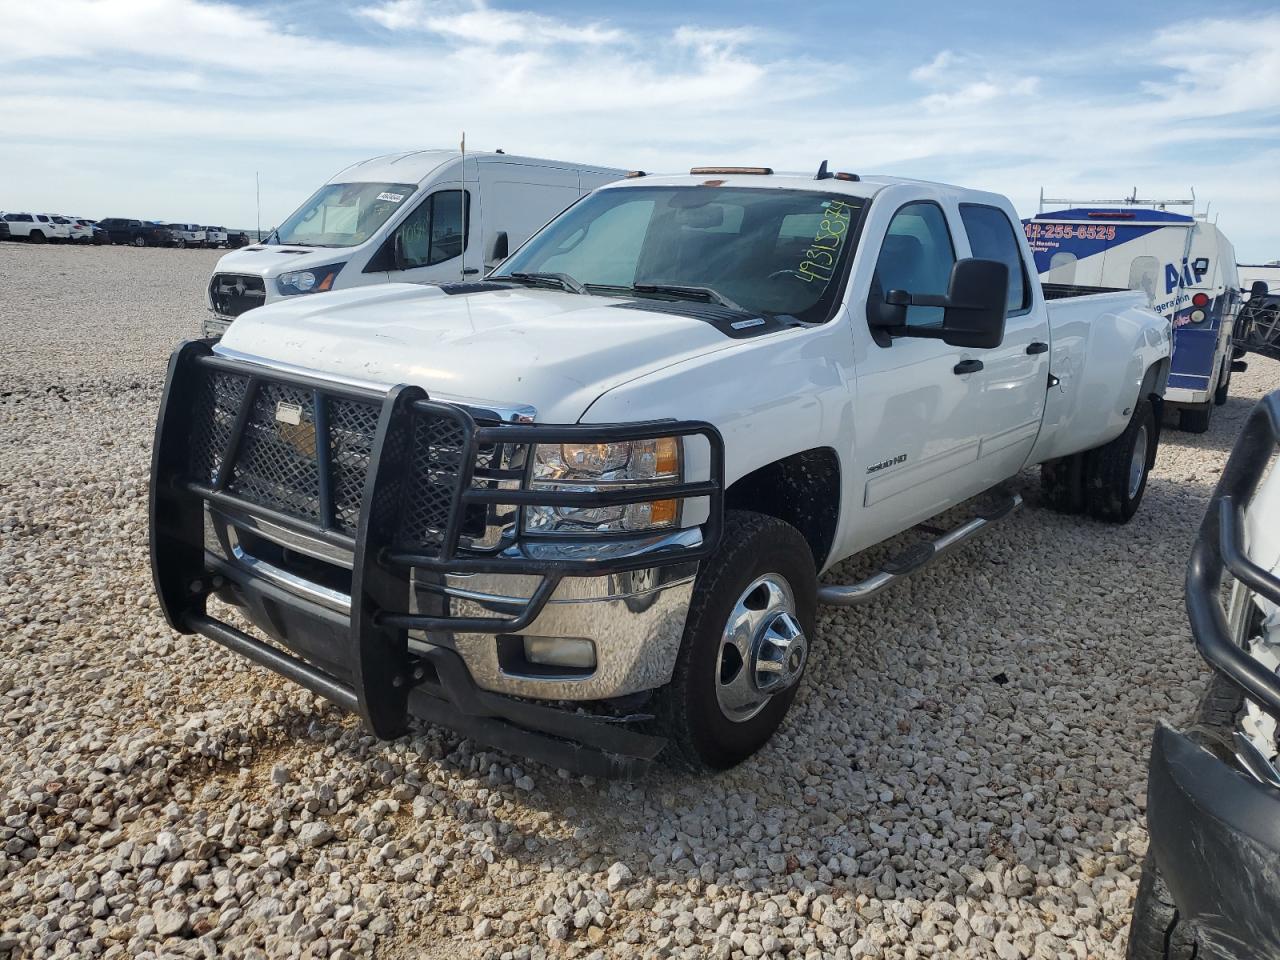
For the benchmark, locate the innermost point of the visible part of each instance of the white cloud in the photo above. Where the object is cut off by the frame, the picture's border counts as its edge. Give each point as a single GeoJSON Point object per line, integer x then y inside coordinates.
{"type": "Point", "coordinates": [477, 22]}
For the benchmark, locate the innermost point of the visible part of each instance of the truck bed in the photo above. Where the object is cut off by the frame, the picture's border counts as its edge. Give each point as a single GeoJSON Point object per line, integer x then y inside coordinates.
{"type": "Point", "coordinates": [1062, 291]}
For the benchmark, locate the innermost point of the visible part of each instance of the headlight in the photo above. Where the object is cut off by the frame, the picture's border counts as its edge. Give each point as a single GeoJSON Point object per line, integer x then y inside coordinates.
{"type": "Point", "coordinates": [595, 467]}
{"type": "Point", "coordinates": [316, 280]}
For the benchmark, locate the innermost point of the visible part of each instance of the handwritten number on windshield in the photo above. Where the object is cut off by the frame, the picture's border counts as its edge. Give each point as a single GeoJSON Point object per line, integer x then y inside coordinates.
{"type": "Point", "coordinates": [819, 260]}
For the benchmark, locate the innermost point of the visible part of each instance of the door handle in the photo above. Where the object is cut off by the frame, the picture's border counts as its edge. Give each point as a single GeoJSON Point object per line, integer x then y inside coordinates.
{"type": "Point", "coordinates": [967, 366]}
{"type": "Point", "coordinates": [1037, 346]}
{"type": "Point", "coordinates": [469, 271]}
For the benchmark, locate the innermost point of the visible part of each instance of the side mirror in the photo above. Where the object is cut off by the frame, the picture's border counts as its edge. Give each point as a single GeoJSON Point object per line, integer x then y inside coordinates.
{"type": "Point", "coordinates": [973, 308]}
{"type": "Point", "coordinates": [1258, 288]}
{"type": "Point", "coordinates": [500, 248]}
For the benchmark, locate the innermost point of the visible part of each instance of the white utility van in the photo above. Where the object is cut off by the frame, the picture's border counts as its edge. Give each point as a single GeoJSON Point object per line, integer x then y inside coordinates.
{"type": "Point", "coordinates": [417, 217]}
{"type": "Point", "coordinates": [1184, 264]}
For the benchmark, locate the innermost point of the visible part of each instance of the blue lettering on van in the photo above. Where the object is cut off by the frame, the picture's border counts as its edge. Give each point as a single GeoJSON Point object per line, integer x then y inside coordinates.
{"type": "Point", "coordinates": [1173, 278]}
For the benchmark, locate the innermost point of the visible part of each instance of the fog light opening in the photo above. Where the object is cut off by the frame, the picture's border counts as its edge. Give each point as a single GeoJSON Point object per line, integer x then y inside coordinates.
{"type": "Point", "coordinates": [575, 652]}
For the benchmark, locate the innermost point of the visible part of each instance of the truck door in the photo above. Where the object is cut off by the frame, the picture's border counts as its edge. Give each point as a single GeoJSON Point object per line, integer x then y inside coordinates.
{"type": "Point", "coordinates": [1014, 376]}
{"type": "Point", "coordinates": [917, 413]}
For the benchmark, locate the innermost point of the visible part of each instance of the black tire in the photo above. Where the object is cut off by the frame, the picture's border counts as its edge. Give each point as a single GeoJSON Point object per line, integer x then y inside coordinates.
{"type": "Point", "coordinates": [1109, 489]}
{"type": "Point", "coordinates": [1195, 419]}
{"type": "Point", "coordinates": [688, 708]}
{"type": "Point", "coordinates": [1156, 931]}
{"type": "Point", "coordinates": [37, 236]}
{"type": "Point", "coordinates": [1062, 483]}
{"type": "Point", "coordinates": [1224, 388]}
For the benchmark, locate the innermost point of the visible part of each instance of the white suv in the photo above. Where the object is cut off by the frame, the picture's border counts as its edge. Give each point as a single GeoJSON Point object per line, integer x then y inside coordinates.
{"type": "Point", "coordinates": [36, 227]}
{"type": "Point", "coordinates": [77, 230]}
{"type": "Point", "coordinates": [187, 234]}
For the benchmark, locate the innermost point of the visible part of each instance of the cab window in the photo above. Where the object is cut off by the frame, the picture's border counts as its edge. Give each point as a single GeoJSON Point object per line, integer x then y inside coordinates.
{"type": "Point", "coordinates": [916, 256]}
{"type": "Point", "coordinates": [991, 237]}
{"type": "Point", "coordinates": [433, 233]}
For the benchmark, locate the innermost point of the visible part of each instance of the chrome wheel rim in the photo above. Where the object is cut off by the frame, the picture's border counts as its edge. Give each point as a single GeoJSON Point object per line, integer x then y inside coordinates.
{"type": "Point", "coordinates": [1138, 462]}
{"type": "Point", "coordinates": [763, 648]}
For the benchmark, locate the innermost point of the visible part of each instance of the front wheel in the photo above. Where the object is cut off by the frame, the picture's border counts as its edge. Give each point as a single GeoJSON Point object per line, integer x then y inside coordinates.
{"type": "Point", "coordinates": [746, 642]}
{"type": "Point", "coordinates": [1156, 931]}
{"type": "Point", "coordinates": [1115, 474]}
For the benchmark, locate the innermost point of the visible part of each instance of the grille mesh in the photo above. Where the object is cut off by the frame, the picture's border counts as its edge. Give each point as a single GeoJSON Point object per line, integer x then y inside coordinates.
{"type": "Point", "coordinates": [276, 463]}
{"type": "Point", "coordinates": [217, 403]}
{"type": "Point", "coordinates": [352, 426]}
{"type": "Point", "coordinates": [439, 444]}
{"type": "Point", "coordinates": [276, 466]}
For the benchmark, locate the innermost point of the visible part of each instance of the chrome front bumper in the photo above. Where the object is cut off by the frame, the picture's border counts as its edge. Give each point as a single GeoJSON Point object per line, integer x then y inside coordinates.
{"type": "Point", "coordinates": [633, 619]}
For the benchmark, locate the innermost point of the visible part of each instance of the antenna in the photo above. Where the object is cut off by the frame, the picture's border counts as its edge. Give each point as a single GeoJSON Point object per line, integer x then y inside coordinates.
{"type": "Point", "coordinates": [463, 200]}
{"type": "Point", "coordinates": [257, 189]}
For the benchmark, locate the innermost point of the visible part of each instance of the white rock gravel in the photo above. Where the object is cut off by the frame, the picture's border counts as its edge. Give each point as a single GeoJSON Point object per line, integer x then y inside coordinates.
{"type": "Point", "coordinates": [962, 774]}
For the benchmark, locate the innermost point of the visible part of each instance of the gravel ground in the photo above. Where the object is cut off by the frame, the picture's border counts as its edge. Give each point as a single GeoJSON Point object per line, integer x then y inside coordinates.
{"type": "Point", "coordinates": [962, 773]}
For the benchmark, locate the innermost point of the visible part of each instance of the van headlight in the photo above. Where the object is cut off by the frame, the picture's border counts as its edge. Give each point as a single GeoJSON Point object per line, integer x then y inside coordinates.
{"type": "Point", "coordinates": [315, 280]}
{"type": "Point", "coordinates": [597, 467]}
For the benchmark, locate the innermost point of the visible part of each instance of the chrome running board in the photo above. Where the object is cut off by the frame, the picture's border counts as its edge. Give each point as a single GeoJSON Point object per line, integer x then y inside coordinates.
{"type": "Point", "coordinates": [914, 557]}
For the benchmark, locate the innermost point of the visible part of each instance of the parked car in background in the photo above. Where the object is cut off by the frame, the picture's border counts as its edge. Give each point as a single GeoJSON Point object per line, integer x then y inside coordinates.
{"type": "Point", "coordinates": [80, 231]}
{"type": "Point", "coordinates": [36, 227]}
{"type": "Point", "coordinates": [612, 472]}
{"type": "Point", "coordinates": [137, 233]}
{"type": "Point", "coordinates": [237, 239]}
{"type": "Point", "coordinates": [416, 217]}
{"type": "Point", "coordinates": [215, 236]}
{"type": "Point", "coordinates": [1209, 885]}
{"type": "Point", "coordinates": [187, 234]}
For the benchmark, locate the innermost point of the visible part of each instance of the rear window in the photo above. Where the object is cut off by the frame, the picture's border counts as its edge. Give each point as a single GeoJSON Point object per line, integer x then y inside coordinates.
{"type": "Point", "coordinates": [991, 237]}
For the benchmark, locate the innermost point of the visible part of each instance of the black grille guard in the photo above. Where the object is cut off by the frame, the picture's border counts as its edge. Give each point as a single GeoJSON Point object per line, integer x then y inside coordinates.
{"type": "Point", "coordinates": [383, 671]}
{"type": "Point", "coordinates": [1219, 548]}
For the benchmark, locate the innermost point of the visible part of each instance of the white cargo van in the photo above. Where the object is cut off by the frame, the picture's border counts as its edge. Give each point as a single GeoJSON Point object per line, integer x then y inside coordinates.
{"type": "Point", "coordinates": [418, 217]}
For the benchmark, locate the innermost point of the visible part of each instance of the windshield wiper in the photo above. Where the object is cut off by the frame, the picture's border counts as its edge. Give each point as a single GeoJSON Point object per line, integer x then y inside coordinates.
{"type": "Point", "coordinates": [688, 292]}
{"type": "Point", "coordinates": [562, 280]}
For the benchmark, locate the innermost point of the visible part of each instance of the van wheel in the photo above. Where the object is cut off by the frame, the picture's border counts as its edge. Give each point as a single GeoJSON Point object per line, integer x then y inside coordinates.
{"type": "Point", "coordinates": [1157, 932]}
{"type": "Point", "coordinates": [37, 236]}
{"type": "Point", "coordinates": [1195, 419]}
{"type": "Point", "coordinates": [1115, 474]}
{"type": "Point", "coordinates": [746, 642]}
{"type": "Point", "coordinates": [1224, 388]}
{"type": "Point", "coordinates": [139, 241]}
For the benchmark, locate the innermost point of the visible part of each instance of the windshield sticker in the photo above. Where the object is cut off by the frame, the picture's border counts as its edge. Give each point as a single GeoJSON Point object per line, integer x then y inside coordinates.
{"type": "Point", "coordinates": [393, 197]}
{"type": "Point", "coordinates": [819, 260]}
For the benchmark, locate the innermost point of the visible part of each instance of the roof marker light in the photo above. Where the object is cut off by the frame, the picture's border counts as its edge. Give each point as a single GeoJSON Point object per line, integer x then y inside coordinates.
{"type": "Point", "coordinates": [751, 171]}
{"type": "Point", "coordinates": [1111, 215]}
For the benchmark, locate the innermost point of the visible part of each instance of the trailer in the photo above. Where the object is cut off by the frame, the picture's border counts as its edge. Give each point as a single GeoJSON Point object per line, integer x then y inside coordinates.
{"type": "Point", "coordinates": [1182, 261]}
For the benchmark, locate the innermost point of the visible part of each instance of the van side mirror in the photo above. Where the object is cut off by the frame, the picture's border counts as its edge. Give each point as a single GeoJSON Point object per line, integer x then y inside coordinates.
{"type": "Point", "coordinates": [973, 310]}
{"type": "Point", "coordinates": [500, 248]}
{"type": "Point", "coordinates": [1259, 289]}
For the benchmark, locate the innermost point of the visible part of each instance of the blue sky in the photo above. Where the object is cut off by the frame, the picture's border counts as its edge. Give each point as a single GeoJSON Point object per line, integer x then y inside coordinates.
{"type": "Point", "coordinates": [165, 108]}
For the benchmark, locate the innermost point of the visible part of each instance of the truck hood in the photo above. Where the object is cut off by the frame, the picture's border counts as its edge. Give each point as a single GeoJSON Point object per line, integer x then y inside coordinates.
{"type": "Point", "coordinates": [274, 260]}
{"type": "Point", "coordinates": [557, 352]}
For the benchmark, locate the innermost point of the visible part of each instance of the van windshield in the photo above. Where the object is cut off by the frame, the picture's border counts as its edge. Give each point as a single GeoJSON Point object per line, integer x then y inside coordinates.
{"type": "Point", "coordinates": [767, 251]}
{"type": "Point", "coordinates": [343, 214]}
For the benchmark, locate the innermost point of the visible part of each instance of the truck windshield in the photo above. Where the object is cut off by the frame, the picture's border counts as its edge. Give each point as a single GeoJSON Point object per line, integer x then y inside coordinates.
{"type": "Point", "coordinates": [343, 214]}
{"type": "Point", "coordinates": [780, 252]}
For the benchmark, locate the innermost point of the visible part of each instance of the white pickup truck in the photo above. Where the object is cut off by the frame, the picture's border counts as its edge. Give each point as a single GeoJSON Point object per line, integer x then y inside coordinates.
{"type": "Point", "coordinates": [580, 509]}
